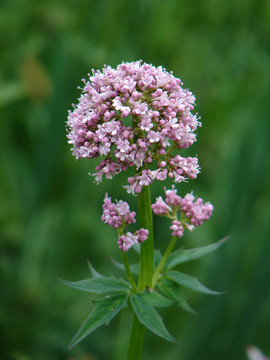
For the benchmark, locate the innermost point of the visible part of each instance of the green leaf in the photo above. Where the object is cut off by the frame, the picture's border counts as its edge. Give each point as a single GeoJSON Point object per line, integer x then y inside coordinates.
{"type": "Point", "coordinates": [156, 299]}
{"type": "Point", "coordinates": [92, 270]}
{"type": "Point", "coordinates": [102, 313]}
{"type": "Point", "coordinates": [99, 285]}
{"type": "Point", "coordinates": [133, 268]}
{"type": "Point", "coordinates": [149, 317]}
{"type": "Point", "coordinates": [170, 289]}
{"type": "Point", "coordinates": [181, 256]}
{"type": "Point", "coordinates": [190, 282]}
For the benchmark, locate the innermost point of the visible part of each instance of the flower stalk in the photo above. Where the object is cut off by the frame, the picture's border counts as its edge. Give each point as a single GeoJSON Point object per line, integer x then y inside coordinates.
{"type": "Point", "coordinates": [146, 270]}
{"type": "Point", "coordinates": [162, 263]}
{"type": "Point", "coordinates": [147, 248]}
{"type": "Point", "coordinates": [128, 272]}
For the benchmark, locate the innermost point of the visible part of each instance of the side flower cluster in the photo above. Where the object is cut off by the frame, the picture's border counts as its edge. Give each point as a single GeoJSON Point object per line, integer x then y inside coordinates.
{"type": "Point", "coordinates": [186, 212]}
{"type": "Point", "coordinates": [134, 116]}
{"type": "Point", "coordinates": [118, 216]}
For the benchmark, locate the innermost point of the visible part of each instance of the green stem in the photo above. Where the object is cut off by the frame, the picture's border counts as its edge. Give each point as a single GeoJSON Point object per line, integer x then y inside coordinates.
{"type": "Point", "coordinates": [127, 268]}
{"type": "Point", "coordinates": [136, 340]}
{"type": "Point", "coordinates": [147, 247]}
{"type": "Point", "coordinates": [146, 270]}
{"type": "Point", "coordinates": [162, 263]}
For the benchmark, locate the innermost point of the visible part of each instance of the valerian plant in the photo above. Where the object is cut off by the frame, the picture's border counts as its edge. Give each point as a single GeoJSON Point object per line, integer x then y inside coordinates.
{"type": "Point", "coordinates": [139, 116]}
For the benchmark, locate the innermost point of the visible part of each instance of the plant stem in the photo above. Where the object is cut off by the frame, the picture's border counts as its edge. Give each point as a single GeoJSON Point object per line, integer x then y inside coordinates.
{"type": "Point", "coordinates": [136, 340]}
{"type": "Point", "coordinates": [162, 263]}
{"type": "Point", "coordinates": [146, 270]}
{"type": "Point", "coordinates": [127, 268]}
{"type": "Point", "coordinates": [147, 247]}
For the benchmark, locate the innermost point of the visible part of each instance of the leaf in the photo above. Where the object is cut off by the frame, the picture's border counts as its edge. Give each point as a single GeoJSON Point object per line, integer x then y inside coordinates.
{"type": "Point", "coordinates": [190, 282]}
{"type": "Point", "coordinates": [133, 268]}
{"type": "Point", "coordinates": [156, 299]}
{"type": "Point", "coordinates": [170, 289]}
{"type": "Point", "coordinates": [102, 313]}
{"type": "Point", "coordinates": [181, 256]}
{"type": "Point", "coordinates": [99, 285]}
{"type": "Point", "coordinates": [149, 317]}
{"type": "Point", "coordinates": [92, 270]}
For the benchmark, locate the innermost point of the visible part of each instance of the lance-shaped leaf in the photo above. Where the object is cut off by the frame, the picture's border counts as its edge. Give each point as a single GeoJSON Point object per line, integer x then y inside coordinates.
{"type": "Point", "coordinates": [156, 299]}
{"type": "Point", "coordinates": [172, 290]}
{"type": "Point", "coordinates": [149, 317]}
{"type": "Point", "coordinates": [181, 256]}
{"type": "Point", "coordinates": [99, 285]}
{"type": "Point", "coordinates": [102, 313]}
{"type": "Point", "coordinates": [133, 268]}
{"type": "Point", "coordinates": [189, 282]}
{"type": "Point", "coordinates": [92, 270]}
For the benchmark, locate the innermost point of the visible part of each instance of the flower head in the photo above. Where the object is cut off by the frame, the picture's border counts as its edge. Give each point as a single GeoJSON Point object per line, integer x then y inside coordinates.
{"type": "Point", "coordinates": [193, 212]}
{"type": "Point", "coordinates": [136, 115]}
{"type": "Point", "coordinates": [118, 216]}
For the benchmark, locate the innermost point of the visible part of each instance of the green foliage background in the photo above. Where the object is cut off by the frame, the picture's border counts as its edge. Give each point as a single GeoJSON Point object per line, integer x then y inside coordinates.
{"type": "Point", "coordinates": [50, 210]}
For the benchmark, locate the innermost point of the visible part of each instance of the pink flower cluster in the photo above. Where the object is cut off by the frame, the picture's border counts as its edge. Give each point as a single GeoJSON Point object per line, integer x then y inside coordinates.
{"type": "Point", "coordinates": [196, 211]}
{"type": "Point", "coordinates": [136, 115]}
{"type": "Point", "coordinates": [118, 215]}
{"type": "Point", "coordinates": [193, 212]}
{"type": "Point", "coordinates": [125, 242]}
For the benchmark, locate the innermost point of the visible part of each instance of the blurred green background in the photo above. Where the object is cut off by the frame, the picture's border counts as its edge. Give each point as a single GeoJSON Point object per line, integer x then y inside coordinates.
{"type": "Point", "coordinates": [50, 209]}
